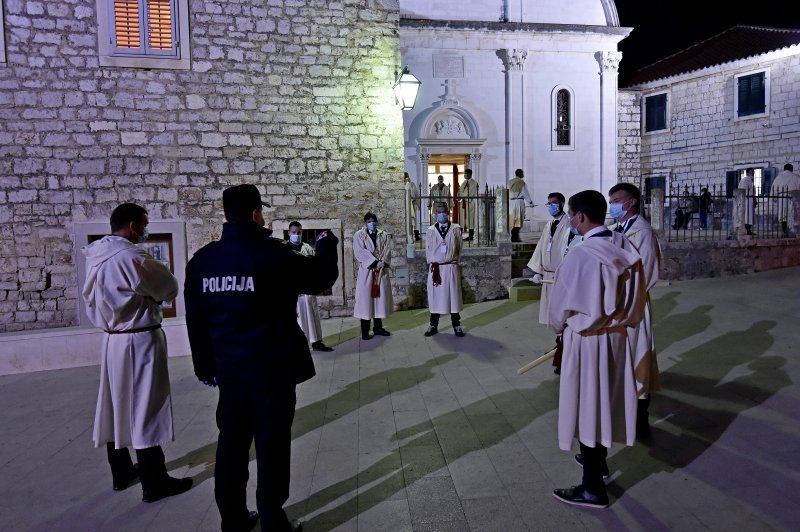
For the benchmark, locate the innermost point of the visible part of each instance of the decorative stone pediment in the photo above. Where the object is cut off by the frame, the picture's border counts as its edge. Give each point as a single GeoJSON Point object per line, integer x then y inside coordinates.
{"type": "Point", "coordinates": [450, 127]}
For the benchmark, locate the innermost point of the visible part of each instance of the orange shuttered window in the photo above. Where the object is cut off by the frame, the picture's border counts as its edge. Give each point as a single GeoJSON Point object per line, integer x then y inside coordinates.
{"type": "Point", "coordinates": [159, 24]}
{"type": "Point", "coordinates": [144, 27]}
{"type": "Point", "coordinates": [126, 24]}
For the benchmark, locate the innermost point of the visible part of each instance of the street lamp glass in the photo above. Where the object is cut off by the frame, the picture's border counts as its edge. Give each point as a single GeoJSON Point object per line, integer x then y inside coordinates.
{"type": "Point", "coordinates": [405, 90]}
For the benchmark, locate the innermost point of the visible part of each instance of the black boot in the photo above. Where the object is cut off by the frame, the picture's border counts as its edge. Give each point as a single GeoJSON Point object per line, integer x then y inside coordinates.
{"type": "Point", "coordinates": [471, 235]}
{"type": "Point", "coordinates": [365, 330]}
{"type": "Point", "coordinates": [156, 484]}
{"type": "Point", "coordinates": [749, 229]}
{"type": "Point", "coordinates": [515, 234]}
{"type": "Point", "coordinates": [643, 418]}
{"type": "Point", "coordinates": [416, 235]}
{"type": "Point", "coordinates": [378, 328]}
{"type": "Point", "coordinates": [123, 472]}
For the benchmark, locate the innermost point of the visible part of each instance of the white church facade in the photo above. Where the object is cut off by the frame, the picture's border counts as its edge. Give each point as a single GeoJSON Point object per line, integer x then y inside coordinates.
{"type": "Point", "coordinates": [528, 84]}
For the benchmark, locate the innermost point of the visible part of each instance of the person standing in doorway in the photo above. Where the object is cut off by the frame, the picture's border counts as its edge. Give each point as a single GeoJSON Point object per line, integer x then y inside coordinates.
{"type": "Point", "coordinates": [307, 308]}
{"type": "Point", "coordinates": [439, 193]}
{"type": "Point", "coordinates": [443, 251]}
{"type": "Point", "coordinates": [412, 205]}
{"type": "Point", "coordinates": [468, 190]}
{"type": "Point", "coordinates": [373, 251]}
{"type": "Point", "coordinates": [517, 198]}
{"type": "Point", "coordinates": [783, 186]}
{"type": "Point", "coordinates": [124, 289]}
{"type": "Point", "coordinates": [748, 185]}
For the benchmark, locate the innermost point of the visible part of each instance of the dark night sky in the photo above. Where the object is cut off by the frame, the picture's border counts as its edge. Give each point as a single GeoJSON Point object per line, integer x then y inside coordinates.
{"type": "Point", "coordinates": [668, 26]}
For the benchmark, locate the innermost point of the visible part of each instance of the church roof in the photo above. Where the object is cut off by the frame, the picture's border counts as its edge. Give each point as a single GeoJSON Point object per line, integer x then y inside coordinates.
{"type": "Point", "coordinates": [738, 42]}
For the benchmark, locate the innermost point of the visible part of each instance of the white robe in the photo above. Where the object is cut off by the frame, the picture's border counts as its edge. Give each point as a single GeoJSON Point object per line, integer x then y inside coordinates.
{"type": "Point", "coordinates": [365, 252]}
{"type": "Point", "coordinates": [469, 207]}
{"type": "Point", "coordinates": [307, 309]}
{"type": "Point", "coordinates": [546, 257]}
{"type": "Point", "coordinates": [439, 194]}
{"type": "Point", "coordinates": [412, 204]}
{"type": "Point", "coordinates": [123, 290]}
{"type": "Point", "coordinates": [517, 198]}
{"type": "Point", "coordinates": [644, 239]}
{"type": "Point", "coordinates": [445, 298]}
{"type": "Point", "coordinates": [749, 199]}
{"type": "Point", "coordinates": [783, 185]}
{"type": "Point", "coordinates": [600, 294]}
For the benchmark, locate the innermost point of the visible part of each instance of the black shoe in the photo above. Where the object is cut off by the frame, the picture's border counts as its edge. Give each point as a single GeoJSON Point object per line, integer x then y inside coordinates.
{"type": "Point", "coordinates": [245, 524]}
{"type": "Point", "coordinates": [365, 336]}
{"type": "Point", "coordinates": [297, 526]}
{"type": "Point", "coordinates": [578, 496]}
{"type": "Point", "coordinates": [381, 332]}
{"type": "Point", "coordinates": [122, 483]}
{"type": "Point", "coordinates": [604, 472]}
{"type": "Point", "coordinates": [169, 487]}
{"type": "Point", "coordinates": [319, 346]}
{"type": "Point", "coordinates": [459, 331]}
{"type": "Point", "coordinates": [431, 330]}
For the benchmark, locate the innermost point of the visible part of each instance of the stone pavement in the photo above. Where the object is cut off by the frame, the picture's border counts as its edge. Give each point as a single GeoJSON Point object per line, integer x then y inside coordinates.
{"type": "Point", "coordinates": [435, 434]}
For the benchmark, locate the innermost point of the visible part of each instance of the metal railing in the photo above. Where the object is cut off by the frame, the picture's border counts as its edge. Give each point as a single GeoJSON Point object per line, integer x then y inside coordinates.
{"type": "Point", "coordinates": [475, 214]}
{"type": "Point", "coordinates": [698, 213]}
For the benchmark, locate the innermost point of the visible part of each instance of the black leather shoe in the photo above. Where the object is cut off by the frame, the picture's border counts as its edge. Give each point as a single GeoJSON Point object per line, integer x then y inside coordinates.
{"type": "Point", "coordinates": [122, 483]}
{"type": "Point", "coordinates": [365, 336]}
{"type": "Point", "coordinates": [579, 459]}
{"type": "Point", "coordinates": [381, 332]}
{"type": "Point", "coordinates": [319, 346]}
{"type": "Point", "coordinates": [169, 487]}
{"type": "Point", "coordinates": [297, 526]}
{"type": "Point", "coordinates": [578, 496]}
{"type": "Point", "coordinates": [431, 330]}
{"type": "Point", "coordinates": [459, 331]}
{"type": "Point", "coordinates": [245, 524]}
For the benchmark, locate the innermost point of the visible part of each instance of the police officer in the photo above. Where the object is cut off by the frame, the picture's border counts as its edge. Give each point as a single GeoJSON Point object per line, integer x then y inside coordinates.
{"type": "Point", "coordinates": [244, 336]}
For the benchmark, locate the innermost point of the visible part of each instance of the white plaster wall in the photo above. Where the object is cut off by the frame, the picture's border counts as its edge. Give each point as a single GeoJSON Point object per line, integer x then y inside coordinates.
{"type": "Point", "coordinates": [539, 11]}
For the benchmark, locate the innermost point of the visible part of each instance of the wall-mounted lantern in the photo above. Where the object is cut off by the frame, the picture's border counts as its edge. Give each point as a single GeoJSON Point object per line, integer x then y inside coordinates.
{"type": "Point", "coordinates": [405, 89]}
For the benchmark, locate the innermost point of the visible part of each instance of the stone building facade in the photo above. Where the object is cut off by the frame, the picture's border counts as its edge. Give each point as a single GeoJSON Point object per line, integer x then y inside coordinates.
{"type": "Point", "coordinates": [293, 96]}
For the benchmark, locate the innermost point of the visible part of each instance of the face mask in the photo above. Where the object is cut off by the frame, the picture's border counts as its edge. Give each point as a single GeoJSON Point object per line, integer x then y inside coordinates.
{"type": "Point", "coordinates": [372, 226]}
{"type": "Point", "coordinates": [143, 237]}
{"type": "Point", "coordinates": [572, 228]}
{"type": "Point", "coordinates": [295, 239]}
{"type": "Point", "coordinates": [617, 211]}
{"type": "Point", "coordinates": [553, 209]}
{"type": "Point", "coordinates": [441, 217]}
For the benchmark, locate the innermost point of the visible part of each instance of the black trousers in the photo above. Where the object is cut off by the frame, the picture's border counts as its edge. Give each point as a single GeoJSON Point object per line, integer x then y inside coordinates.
{"type": "Point", "coordinates": [455, 319]}
{"type": "Point", "coordinates": [377, 324]}
{"type": "Point", "coordinates": [594, 458]}
{"type": "Point", "coordinates": [265, 413]}
{"type": "Point", "coordinates": [152, 467]}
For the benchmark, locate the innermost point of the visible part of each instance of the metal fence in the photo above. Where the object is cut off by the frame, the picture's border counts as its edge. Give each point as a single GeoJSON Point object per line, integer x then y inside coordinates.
{"type": "Point", "coordinates": [475, 214]}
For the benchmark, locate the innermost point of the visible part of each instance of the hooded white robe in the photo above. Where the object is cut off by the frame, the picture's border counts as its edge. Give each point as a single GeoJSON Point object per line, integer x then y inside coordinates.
{"type": "Point", "coordinates": [644, 239]}
{"type": "Point", "coordinates": [445, 298]}
{"type": "Point", "coordinates": [123, 290]}
{"type": "Point", "coordinates": [749, 188]}
{"type": "Point", "coordinates": [783, 185]}
{"type": "Point", "coordinates": [307, 309]}
{"type": "Point", "coordinates": [600, 294]}
{"type": "Point", "coordinates": [546, 257]}
{"type": "Point", "coordinates": [365, 252]}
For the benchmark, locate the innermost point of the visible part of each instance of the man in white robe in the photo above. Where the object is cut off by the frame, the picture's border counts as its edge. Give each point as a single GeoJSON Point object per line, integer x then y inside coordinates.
{"type": "Point", "coordinates": [518, 196]}
{"type": "Point", "coordinates": [372, 249]}
{"type": "Point", "coordinates": [747, 184]}
{"type": "Point", "coordinates": [412, 206]}
{"type": "Point", "coordinates": [123, 293]}
{"type": "Point", "coordinates": [786, 182]}
{"type": "Point", "coordinates": [624, 204]}
{"type": "Point", "coordinates": [307, 309]}
{"type": "Point", "coordinates": [598, 296]}
{"type": "Point", "coordinates": [440, 193]}
{"type": "Point", "coordinates": [468, 190]}
{"type": "Point", "coordinates": [443, 251]}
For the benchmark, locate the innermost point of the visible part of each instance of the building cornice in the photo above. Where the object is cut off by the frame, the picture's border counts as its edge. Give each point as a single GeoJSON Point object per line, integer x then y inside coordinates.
{"type": "Point", "coordinates": [521, 27]}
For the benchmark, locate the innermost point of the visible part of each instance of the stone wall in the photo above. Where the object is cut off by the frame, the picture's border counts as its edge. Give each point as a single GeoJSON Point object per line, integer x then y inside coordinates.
{"type": "Point", "coordinates": [294, 96]}
{"type": "Point", "coordinates": [629, 134]}
{"type": "Point", "coordinates": [690, 260]}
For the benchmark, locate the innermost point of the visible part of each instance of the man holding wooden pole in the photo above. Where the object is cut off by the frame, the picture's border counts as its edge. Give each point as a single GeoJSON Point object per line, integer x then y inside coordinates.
{"type": "Point", "coordinates": [599, 294]}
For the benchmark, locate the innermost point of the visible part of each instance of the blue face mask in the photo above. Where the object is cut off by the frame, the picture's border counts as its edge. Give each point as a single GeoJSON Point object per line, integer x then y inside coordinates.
{"type": "Point", "coordinates": [372, 226]}
{"type": "Point", "coordinates": [295, 239]}
{"type": "Point", "coordinates": [616, 211]}
{"type": "Point", "coordinates": [141, 239]}
{"type": "Point", "coordinates": [441, 217]}
{"type": "Point", "coordinates": [574, 230]}
{"type": "Point", "coordinates": [553, 209]}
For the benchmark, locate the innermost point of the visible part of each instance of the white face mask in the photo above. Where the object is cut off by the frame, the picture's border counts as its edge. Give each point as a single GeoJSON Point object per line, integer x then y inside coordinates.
{"type": "Point", "coordinates": [295, 239]}
{"type": "Point", "coordinates": [441, 217]}
{"type": "Point", "coordinates": [372, 226]}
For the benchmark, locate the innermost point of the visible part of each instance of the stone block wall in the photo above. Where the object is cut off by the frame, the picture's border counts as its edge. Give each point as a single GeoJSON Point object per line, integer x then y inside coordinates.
{"type": "Point", "coordinates": [690, 260]}
{"type": "Point", "coordinates": [294, 96]}
{"type": "Point", "coordinates": [629, 135]}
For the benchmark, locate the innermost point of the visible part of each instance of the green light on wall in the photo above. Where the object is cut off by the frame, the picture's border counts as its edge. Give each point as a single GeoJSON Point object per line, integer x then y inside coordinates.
{"type": "Point", "coordinates": [405, 89]}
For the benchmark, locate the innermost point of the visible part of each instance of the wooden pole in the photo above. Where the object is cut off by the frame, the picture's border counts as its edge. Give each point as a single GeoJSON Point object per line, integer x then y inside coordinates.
{"type": "Point", "coordinates": [531, 365]}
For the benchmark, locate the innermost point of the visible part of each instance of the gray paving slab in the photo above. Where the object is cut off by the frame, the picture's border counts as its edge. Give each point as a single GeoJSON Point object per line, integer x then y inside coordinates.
{"type": "Point", "coordinates": [435, 434]}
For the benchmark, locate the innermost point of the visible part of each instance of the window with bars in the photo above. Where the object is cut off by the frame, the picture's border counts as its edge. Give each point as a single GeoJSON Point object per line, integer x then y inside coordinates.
{"type": "Point", "coordinates": [563, 118]}
{"type": "Point", "coordinates": [143, 28]}
{"type": "Point", "coordinates": [751, 94]}
{"type": "Point", "coordinates": [143, 33]}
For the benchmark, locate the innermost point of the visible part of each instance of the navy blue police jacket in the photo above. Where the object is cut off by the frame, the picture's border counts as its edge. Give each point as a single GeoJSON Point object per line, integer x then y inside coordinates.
{"type": "Point", "coordinates": [241, 306]}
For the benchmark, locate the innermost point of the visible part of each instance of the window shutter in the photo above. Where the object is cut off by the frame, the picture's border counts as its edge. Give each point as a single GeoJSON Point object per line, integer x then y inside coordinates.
{"type": "Point", "coordinates": [161, 34]}
{"type": "Point", "coordinates": [656, 112]}
{"type": "Point", "coordinates": [126, 25]}
{"type": "Point", "coordinates": [767, 177]}
{"type": "Point", "coordinates": [731, 182]}
{"type": "Point", "coordinates": [757, 100]}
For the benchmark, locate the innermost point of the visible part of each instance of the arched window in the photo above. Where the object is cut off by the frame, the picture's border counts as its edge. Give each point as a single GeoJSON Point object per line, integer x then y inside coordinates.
{"type": "Point", "coordinates": [563, 118]}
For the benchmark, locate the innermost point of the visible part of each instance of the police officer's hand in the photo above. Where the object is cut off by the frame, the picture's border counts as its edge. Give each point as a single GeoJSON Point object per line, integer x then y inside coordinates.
{"type": "Point", "coordinates": [212, 381]}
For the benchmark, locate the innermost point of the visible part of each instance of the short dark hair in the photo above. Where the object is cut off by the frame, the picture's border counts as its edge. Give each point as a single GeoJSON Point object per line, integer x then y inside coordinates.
{"type": "Point", "coordinates": [558, 195]}
{"type": "Point", "coordinates": [441, 205]}
{"type": "Point", "coordinates": [369, 215]}
{"type": "Point", "coordinates": [518, 172]}
{"type": "Point", "coordinates": [788, 166]}
{"type": "Point", "coordinates": [468, 171]}
{"type": "Point", "coordinates": [295, 223]}
{"type": "Point", "coordinates": [630, 189]}
{"type": "Point", "coordinates": [591, 203]}
{"type": "Point", "coordinates": [125, 214]}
